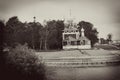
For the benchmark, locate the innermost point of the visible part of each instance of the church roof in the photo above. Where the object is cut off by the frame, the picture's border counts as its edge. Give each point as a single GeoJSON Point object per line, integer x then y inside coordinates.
{"type": "Point", "coordinates": [70, 29]}
{"type": "Point", "coordinates": [83, 38]}
{"type": "Point", "coordinates": [71, 38]}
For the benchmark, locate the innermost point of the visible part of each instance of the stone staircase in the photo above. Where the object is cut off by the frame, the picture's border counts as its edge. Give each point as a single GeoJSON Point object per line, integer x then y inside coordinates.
{"type": "Point", "coordinates": [84, 61]}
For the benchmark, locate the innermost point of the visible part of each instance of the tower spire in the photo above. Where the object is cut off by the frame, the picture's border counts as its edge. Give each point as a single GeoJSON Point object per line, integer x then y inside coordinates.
{"type": "Point", "coordinates": [82, 32]}
{"type": "Point", "coordinates": [34, 19]}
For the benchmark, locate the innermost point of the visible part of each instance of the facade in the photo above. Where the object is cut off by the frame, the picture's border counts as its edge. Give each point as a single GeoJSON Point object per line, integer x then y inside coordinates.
{"type": "Point", "coordinates": [73, 40]}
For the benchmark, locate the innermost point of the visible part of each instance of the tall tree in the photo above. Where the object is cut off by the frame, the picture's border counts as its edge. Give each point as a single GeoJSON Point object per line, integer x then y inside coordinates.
{"type": "Point", "coordinates": [2, 54]}
{"type": "Point", "coordinates": [34, 36]}
{"type": "Point", "coordinates": [42, 34]}
{"type": "Point", "coordinates": [109, 37]}
{"type": "Point", "coordinates": [60, 27]}
{"type": "Point", "coordinates": [2, 26]}
{"type": "Point", "coordinates": [14, 31]}
{"type": "Point", "coordinates": [54, 38]}
{"type": "Point", "coordinates": [90, 31]}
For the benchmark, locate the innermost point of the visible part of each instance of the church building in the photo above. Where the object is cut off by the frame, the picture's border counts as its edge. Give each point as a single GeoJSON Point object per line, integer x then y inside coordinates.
{"type": "Point", "coordinates": [73, 40]}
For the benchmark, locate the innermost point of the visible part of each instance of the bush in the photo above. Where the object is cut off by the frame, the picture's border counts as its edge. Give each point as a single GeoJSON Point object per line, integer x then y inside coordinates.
{"type": "Point", "coordinates": [23, 64]}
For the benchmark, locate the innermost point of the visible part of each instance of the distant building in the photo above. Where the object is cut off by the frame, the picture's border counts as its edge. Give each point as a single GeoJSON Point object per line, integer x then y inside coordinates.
{"type": "Point", "coordinates": [73, 40]}
{"type": "Point", "coordinates": [116, 41]}
{"type": "Point", "coordinates": [103, 41]}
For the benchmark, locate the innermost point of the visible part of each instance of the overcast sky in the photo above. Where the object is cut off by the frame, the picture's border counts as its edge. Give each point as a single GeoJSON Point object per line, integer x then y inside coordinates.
{"type": "Point", "coordinates": [103, 14]}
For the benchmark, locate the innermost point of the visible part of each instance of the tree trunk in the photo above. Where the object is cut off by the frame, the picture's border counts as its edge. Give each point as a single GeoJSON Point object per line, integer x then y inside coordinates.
{"type": "Point", "coordinates": [45, 44]}
{"type": "Point", "coordinates": [33, 42]}
{"type": "Point", "coordinates": [41, 44]}
{"type": "Point", "coordinates": [46, 35]}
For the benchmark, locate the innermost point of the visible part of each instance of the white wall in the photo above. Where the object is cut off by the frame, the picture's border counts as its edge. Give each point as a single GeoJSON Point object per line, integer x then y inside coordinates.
{"type": "Point", "coordinates": [77, 47]}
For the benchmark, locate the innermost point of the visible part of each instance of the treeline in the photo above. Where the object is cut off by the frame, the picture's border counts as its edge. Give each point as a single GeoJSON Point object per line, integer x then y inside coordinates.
{"type": "Point", "coordinates": [41, 37]}
{"type": "Point", "coordinates": [35, 35]}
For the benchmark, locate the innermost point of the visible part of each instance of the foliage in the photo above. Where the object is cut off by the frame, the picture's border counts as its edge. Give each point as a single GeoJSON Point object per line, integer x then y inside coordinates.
{"type": "Point", "coordinates": [18, 32]}
{"type": "Point", "coordinates": [14, 31]}
{"type": "Point", "coordinates": [55, 34]}
{"type": "Point", "coordinates": [42, 37]}
{"type": "Point", "coordinates": [34, 34]}
{"type": "Point", "coordinates": [90, 32]}
{"type": "Point", "coordinates": [2, 25]}
{"type": "Point", "coordinates": [51, 35]}
{"type": "Point", "coordinates": [109, 37]}
{"type": "Point", "coordinates": [1, 34]}
{"type": "Point", "coordinates": [24, 64]}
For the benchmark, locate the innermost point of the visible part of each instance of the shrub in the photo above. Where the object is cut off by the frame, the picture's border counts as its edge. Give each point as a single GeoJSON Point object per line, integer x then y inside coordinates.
{"type": "Point", "coordinates": [23, 64]}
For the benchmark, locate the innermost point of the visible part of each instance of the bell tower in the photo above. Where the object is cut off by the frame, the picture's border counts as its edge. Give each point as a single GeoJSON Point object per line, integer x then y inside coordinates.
{"type": "Point", "coordinates": [82, 32]}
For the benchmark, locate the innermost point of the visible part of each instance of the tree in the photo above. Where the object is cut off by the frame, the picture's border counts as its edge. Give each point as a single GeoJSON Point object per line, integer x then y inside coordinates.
{"type": "Point", "coordinates": [18, 32]}
{"type": "Point", "coordinates": [2, 60]}
{"type": "Point", "coordinates": [14, 31]}
{"type": "Point", "coordinates": [2, 26]}
{"type": "Point", "coordinates": [54, 34]}
{"type": "Point", "coordinates": [34, 36]}
{"type": "Point", "coordinates": [23, 64]}
{"type": "Point", "coordinates": [109, 37]}
{"type": "Point", "coordinates": [60, 27]}
{"type": "Point", "coordinates": [90, 32]}
{"type": "Point", "coordinates": [42, 37]}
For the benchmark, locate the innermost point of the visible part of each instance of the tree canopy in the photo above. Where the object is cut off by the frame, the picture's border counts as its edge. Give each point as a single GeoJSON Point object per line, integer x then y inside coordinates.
{"type": "Point", "coordinates": [90, 31]}
{"type": "Point", "coordinates": [42, 37]}
{"type": "Point", "coordinates": [34, 34]}
{"type": "Point", "coordinates": [2, 25]}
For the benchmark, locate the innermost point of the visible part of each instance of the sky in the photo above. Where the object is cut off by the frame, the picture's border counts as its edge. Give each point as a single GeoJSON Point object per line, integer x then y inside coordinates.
{"type": "Point", "coordinates": [103, 14]}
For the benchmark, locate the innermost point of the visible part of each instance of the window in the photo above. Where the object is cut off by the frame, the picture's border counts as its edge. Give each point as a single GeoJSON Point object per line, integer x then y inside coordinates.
{"type": "Point", "coordinates": [64, 43]}
{"type": "Point", "coordinates": [72, 43]}
{"type": "Point", "coordinates": [83, 42]}
{"type": "Point", "coordinates": [78, 42]}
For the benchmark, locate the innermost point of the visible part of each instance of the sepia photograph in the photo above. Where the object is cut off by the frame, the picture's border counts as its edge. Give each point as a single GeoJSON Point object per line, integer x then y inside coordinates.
{"type": "Point", "coordinates": [59, 39]}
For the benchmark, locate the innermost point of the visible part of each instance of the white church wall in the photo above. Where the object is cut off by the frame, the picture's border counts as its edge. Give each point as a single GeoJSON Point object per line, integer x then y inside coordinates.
{"type": "Point", "coordinates": [77, 47]}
